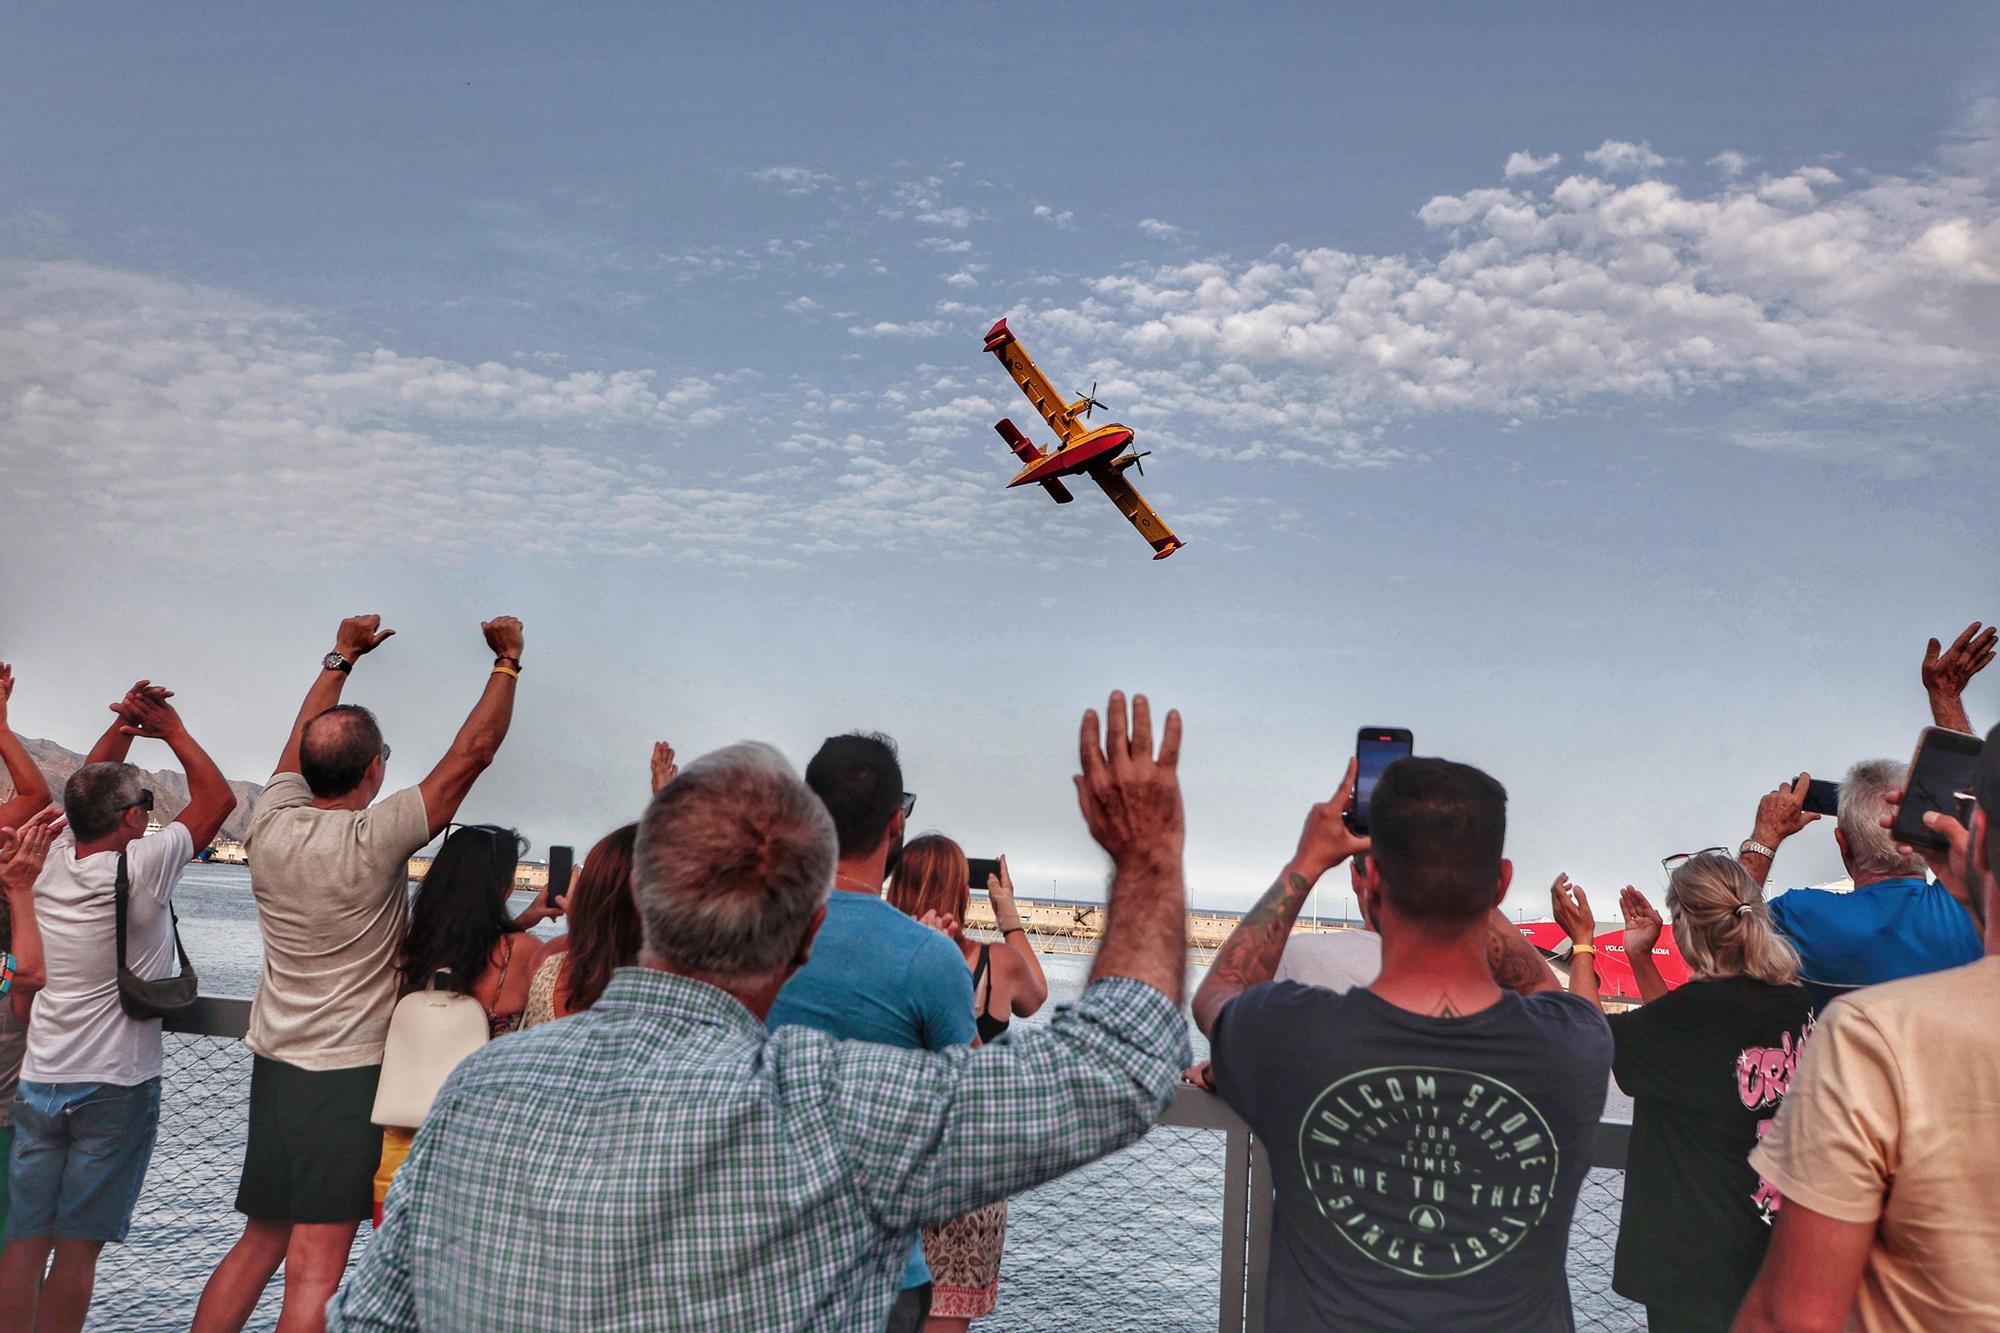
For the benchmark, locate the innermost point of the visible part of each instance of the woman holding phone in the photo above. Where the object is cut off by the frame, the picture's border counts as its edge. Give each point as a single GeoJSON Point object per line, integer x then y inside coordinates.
{"type": "Point", "coordinates": [932, 883]}
{"type": "Point", "coordinates": [1706, 1066]}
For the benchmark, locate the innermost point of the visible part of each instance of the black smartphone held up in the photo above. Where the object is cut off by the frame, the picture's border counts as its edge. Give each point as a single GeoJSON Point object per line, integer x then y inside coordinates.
{"type": "Point", "coordinates": [560, 861]}
{"type": "Point", "coordinates": [1375, 748]}
{"type": "Point", "coordinates": [978, 868]}
{"type": "Point", "coordinates": [1822, 797]}
{"type": "Point", "coordinates": [1943, 766]}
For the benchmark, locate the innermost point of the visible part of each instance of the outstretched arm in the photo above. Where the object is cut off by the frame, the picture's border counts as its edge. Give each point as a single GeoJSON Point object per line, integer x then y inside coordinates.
{"type": "Point", "coordinates": [356, 637]}
{"type": "Point", "coordinates": [210, 800]}
{"type": "Point", "coordinates": [1946, 674]}
{"type": "Point", "coordinates": [1131, 803]}
{"type": "Point", "coordinates": [1031, 989]}
{"type": "Point", "coordinates": [31, 789]}
{"type": "Point", "coordinates": [1249, 957]}
{"type": "Point", "coordinates": [478, 741]}
{"type": "Point", "coordinates": [1573, 914]}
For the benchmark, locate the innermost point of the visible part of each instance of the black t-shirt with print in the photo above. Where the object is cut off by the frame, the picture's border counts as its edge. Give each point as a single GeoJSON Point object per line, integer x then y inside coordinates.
{"type": "Point", "coordinates": [1426, 1167]}
{"type": "Point", "coordinates": [1706, 1067]}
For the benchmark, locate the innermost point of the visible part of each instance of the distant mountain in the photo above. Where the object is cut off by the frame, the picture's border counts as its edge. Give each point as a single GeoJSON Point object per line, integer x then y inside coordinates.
{"type": "Point", "coordinates": [170, 791]}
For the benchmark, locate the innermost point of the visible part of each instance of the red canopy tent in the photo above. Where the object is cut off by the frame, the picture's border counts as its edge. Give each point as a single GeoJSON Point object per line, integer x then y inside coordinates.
{"type": "Point", "coordinates": [1614, 974]}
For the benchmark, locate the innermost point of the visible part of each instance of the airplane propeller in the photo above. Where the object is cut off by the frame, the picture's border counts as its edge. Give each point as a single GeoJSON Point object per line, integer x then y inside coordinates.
{"type": "Point", "coordinates": [1090, 402]}
{"type": "Point", "coordinates": [1137, 464]}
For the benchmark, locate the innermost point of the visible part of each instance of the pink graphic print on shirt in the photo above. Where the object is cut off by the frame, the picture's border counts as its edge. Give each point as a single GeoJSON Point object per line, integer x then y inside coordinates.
{"type": "Point", "coordinates": [1763, 1074]}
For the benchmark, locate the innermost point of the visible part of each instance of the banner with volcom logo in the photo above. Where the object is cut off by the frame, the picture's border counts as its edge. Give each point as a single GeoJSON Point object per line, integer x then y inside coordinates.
{"type": "Point", "coordinates": [1430, 1172]}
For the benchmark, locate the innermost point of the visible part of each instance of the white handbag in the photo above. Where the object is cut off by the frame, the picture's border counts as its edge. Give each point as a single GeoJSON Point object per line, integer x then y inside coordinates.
{"type": "Point", "coordinates": [429, 1033]}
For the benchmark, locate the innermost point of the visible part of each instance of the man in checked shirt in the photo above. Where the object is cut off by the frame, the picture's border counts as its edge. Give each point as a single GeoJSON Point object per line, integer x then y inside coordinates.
{"type": "Point", "coordinates": [661, 1161]}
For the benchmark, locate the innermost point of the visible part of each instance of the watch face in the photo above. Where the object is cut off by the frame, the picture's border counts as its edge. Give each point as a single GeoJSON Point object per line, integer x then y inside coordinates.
{"type": "Point", "coordinates": [334, 662]}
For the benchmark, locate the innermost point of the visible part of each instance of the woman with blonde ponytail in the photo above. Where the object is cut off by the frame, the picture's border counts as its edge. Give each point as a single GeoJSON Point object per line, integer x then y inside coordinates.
{"type": "Point", "coordinates": [1706, 1066]}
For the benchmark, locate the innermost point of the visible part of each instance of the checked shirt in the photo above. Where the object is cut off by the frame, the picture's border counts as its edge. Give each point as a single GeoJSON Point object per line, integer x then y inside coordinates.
{"type": "Point", "coordinates": [661, 1161]}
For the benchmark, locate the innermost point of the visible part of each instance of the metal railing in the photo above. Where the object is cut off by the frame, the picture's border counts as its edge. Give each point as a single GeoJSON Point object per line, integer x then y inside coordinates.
{"type": "Point", "coordinates": [1173, 1232]}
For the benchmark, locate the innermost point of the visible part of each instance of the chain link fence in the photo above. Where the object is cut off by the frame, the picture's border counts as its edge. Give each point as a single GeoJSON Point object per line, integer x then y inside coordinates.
{"type": "Point", "coordinates": [186, 1219]}
{"type": "Point", "coordinates": [1135, 1241]}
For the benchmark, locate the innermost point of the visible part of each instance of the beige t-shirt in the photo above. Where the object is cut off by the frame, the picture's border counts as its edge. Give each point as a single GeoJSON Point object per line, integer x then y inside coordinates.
{"type": "Point", "coordinates": [1891, 1120]}
{"type": "Point", "coordinates": [333, 901]}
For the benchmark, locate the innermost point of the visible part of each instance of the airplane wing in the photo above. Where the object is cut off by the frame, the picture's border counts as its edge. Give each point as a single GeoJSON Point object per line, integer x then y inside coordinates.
{"type": "Point", "coordinates": [1028, 375]}
{"type": "Point", "coordinates": [1140, 514]}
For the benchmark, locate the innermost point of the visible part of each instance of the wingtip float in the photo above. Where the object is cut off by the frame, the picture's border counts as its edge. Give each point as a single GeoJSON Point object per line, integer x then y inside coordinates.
{"type": "Point", "coordinates": [1097, 453]}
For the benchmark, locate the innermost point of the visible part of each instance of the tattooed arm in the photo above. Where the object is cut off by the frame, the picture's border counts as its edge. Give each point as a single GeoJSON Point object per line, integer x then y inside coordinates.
{"type": "Point", "coordinates": [1517, 965]}
{"type": "Point", "coordinates": [1249, 957]}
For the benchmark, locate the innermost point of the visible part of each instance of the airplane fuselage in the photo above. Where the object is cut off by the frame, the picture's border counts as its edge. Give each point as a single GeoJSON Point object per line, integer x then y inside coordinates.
{"type": "Point", "coordinates": [1095, 449]}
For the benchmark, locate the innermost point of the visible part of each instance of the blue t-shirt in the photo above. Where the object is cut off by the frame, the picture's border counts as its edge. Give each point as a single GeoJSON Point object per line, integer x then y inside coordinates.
{"type": "Point", "coordinates": [1880, 932]}
{"type": "Point", "coordinates": [878, 975]}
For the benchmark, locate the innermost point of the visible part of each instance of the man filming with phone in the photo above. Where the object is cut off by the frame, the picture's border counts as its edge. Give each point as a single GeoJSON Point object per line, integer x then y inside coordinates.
{"type": "Point", "coordinates": [1430, 1131]}
{"type": "Point", "coordinates": [1895, 923]}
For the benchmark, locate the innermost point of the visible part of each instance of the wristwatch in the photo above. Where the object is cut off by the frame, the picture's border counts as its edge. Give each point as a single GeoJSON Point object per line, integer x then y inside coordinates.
{"type": "Point", "coordinates": [1753, 847]}
{"type": "Point", "coordinates": [333, 661]}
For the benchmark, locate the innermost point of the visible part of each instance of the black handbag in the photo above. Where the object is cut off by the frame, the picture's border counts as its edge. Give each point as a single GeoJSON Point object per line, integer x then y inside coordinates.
{"type": "Point", "coordinates": [139, 997]}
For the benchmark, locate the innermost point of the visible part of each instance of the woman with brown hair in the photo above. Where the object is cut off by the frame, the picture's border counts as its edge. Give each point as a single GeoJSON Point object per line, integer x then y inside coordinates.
{"type": "Point", "coordinates": [932, 883]}
{"type": "Point", "coordinates": [1706, 1066]}
{"type": "Point", "coordinates": [572, 970]}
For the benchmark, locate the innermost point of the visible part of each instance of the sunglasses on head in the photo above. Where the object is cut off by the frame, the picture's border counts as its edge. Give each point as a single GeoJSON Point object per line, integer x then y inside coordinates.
{"type": "Point", "coordinates": [1679, 859]}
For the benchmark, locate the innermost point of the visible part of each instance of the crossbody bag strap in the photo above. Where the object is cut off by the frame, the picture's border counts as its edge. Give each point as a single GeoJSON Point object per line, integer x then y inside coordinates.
{"type": "Point", "coordinates": [123, 891]}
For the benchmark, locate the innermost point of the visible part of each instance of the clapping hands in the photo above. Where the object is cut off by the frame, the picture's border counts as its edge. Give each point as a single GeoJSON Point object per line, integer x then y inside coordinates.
{"type": "Point", "coordinates": [1642, 923]}
{"type": "Point", "coordinates": [23, 850]}
{"type": "Point", "coordinates": [1572, 910]}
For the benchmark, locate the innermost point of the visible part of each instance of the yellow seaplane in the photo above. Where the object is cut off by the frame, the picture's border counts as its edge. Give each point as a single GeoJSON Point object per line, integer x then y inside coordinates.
{"type": "Point", "coordinates": [1097, 452]}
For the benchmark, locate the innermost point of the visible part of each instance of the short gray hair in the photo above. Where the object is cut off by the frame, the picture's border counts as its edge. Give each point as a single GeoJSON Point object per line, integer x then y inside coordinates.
{"type": "Point", "coordinates": [96, 798]}
{"type": "Point", "coordinates": [733, 857]}
{"type": "Point", "coordinates": [1871, 852]}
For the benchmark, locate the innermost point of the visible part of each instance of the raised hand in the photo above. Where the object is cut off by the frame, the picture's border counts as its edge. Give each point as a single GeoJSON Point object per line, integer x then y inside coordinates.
{"type": "Point", "coordinates": [1131, 798]}
{"type": "Point", "coordinates": [6, 689]}
{"type": "Point", "coordinates": [1642, 923]}
{"type": "Point", "coordinates": [942, 921]}
{"type": "Point", "coordinates": [1000, 887]}
{"type": "Point", "coordinates": [24, 850]}
{"type": "Point", "coordinates": [147, 713]}
{"type": "Point", "coordinates": [503, 636]}
{"type": "Point", "coordinates": [1949, 671]}
{"type": "Point", "coordinates": [1326, 840]}
{"type": "Point", "coordinates": [664, 768]}
{"type": "Point", "coordinates": [1782, 812]}
{"type": "Point", "coordinates": [359, 636]}
{"type": "Point", "coordinates": [1572, 910]}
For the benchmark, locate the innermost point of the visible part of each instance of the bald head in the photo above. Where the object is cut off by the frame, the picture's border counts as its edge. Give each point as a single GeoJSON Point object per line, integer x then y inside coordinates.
{"type": "Point", "coordinates": [336, 749]}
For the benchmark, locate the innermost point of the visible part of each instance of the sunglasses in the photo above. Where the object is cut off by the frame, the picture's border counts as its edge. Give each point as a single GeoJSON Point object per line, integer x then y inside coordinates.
{"type": "Point", "coordinates": [1679, 859]}
{"type": "Point", "coordinates": [909, 803]}
{"type": "Point", "coordinates": [145, 801]}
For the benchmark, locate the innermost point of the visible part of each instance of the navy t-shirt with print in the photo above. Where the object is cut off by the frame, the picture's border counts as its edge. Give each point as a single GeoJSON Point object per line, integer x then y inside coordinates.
{"type": "Point", "coordinates": [1706, 1067]}
{"type": "Point", "coordinates": [1427, 1168]}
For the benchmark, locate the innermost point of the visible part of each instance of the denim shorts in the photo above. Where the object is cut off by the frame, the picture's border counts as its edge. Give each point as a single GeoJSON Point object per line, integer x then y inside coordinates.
{"type": "Point", "coordinates": [80, 1155]}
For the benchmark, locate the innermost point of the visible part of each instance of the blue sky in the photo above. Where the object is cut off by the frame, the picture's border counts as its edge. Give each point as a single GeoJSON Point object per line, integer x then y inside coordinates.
{"type": "Point", "coordinates": [1607, 397]}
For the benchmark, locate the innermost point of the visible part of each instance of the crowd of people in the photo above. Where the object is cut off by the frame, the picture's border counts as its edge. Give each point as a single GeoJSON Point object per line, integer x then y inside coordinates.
{"type": "Point", "coordinates": [767, 1079]}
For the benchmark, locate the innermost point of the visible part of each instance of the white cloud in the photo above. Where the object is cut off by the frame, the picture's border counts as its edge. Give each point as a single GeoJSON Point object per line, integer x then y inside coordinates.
{"type": "Point", "coordinates": [945, 245]}
{"type": "Point", "coordinates": [1165, 231]}
{"type": "Point", "coordinates": [802, 305]}
{"type": "Point", "coordinates": [792, 180]}
{"type": "Point", "coordinates": [1618, 158]}
{"type": "Point", "coordinates": [922, 328]}
{"type": "Point", "coordinates": [1062, 220]}
{"type": "Point", "coordinates": [1805, 287]}
{"type": "Point", "coordinates": [1730, 163]}
{"type": "Point", "coordinates": [962, 278]}
{"type": "Point", "coordinates": [954, 216]}
{"type": "Point", "coordinates": [1527, 164]}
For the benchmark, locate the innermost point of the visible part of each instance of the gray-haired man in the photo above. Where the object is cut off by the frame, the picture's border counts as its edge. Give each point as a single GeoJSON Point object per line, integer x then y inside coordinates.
{"type": "Point", "coordinates": [703, 1172]}
{"type": "Point", "coordinates": [1896, 923]}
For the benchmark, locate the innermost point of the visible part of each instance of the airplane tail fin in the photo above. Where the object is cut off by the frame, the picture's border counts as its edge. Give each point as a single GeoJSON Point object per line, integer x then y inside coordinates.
{"type": "Point", "coordinates": [1025, 450]}
{"type": "Point", "coordinates": [1016, 441]}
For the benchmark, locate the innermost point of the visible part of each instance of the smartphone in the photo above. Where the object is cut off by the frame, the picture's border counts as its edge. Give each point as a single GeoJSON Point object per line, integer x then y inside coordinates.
{"type": "Point", "coordinates": [1822, 796]}
{"type": "Point", "coordinates": [1375, 748]}
{"type": "Point", "coordinates": [560, 861]}
{"type": "Point", "coordinates": [1943, 766]}
{"type": "Point", "coordinates": [979, 868]}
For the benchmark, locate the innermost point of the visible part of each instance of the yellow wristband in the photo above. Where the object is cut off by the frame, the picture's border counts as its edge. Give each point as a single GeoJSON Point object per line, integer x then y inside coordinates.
{"type": "Point", "coordinates": [506, 671]}
{"type": "Point", "coordinates": [1576, 949]}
